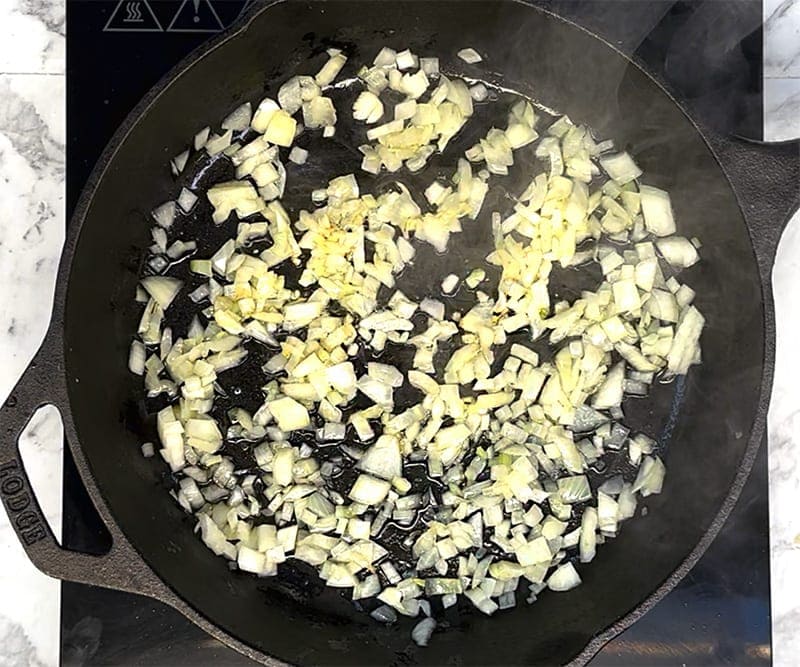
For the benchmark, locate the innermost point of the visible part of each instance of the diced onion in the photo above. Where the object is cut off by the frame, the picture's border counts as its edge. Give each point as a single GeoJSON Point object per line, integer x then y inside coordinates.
{"type": "Point", "coordinates": [369, 490]}
{"type": "Point", "coordinates": [450, 283]}
{"type": "Point", "coordinates": [383, 459]}
{"type": "Point", "coordinates": [290, 415]}
{"type": "Point", "coordinates": [620, 168]}
{"type": "Point", "coordinates": [564, 578]}
{"type": "Point", "coordinates": [162, 289]}
{"type": "Point", "coordinates": [317, 301]}
{"type": "Point", "coordinates": [657, 211]}
{"type": "Point", "coordinates": [137, 357]}
{"type": "Point", "coordinates": [422, 631]}
{"type": "Point", "coordinates": [187, 200]}
{"type": "Point", "coordinates": [164, 215]}
{"type": "Point", "coordinates": [281, 129]}
{"type": "Point", "coordinates": [298, 155]}
{"type": "Point", "coordinates": [470, 56]}
{"type": "Point", "coordinates": [201, 138]}
{"type": "Point", "coordinates": [330, 70]}
{"type": "Point", "coordinates": [264, 113]}
{"type": "Point", "coordinates": [239, 118]}
{"type": "Point", "coordinates": [678, 251]}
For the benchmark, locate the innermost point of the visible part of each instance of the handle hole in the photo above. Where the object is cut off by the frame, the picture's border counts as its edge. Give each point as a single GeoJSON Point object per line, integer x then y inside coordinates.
{"type": "Point", "coordinates": [84, 530]}
{"type": "Point", "coordinates": [41, 447]}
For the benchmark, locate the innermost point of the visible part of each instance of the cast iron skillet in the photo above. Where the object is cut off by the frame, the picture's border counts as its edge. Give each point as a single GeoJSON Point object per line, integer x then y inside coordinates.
{"type": "Point", "coordinates": [709, 426]}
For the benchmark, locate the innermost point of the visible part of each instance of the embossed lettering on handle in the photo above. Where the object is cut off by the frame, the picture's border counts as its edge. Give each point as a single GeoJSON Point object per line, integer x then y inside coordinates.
{"type": "Point", "coordinates": [17, 496]}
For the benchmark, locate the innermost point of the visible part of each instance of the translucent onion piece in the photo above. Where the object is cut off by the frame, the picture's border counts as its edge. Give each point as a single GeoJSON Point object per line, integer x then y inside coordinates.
{"type": "Point", "coordinates": [469, 55]}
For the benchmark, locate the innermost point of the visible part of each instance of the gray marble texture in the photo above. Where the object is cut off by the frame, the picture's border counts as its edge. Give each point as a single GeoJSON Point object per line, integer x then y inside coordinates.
{"type": "Point", "coordinates": [32, 137]}
{"type": "Point", "coordinates": [781, 69]}
{"type": "Point", "coordinates": [32, 89]}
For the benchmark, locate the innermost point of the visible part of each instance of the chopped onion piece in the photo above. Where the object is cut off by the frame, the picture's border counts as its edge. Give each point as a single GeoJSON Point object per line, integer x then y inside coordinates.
{"type": "Point", "coordinates": [298, 155]}
{"type": "Point", "coordinates": [384, 614]}
{"type": "Point", "coordinates": [201, 267]}
{"type": "Point", "coordinates": [588, 536]}
{"type": "Point", "coordinates": [281, 129]}
{"type": "Point", "coordinates": [368, 107]}
{"type": "Point", "coordinates": [620, 168]}
{"type": "Point", "coordinates": [430, 66]}
{"type": "Point", "coordinates": [383, 459]}
{"type": "Point", "coordinates": [564, 578]}
{"type": "Point", "coordinates": [405, 110]}
{"type": "Point", "coordinates": [469, 56]}
{"type": "Point", "coordinates": [201, 138]}
{"type": "Point", "coordinates": [386, 58]}
{"type": "Point", "coordinates": [685, 349]}
{"type": "Point", "coordinates": [450, 283]}
{"type": "Point", "coordinates": [162, 289]}
{"type": "Point", "coordinates": [295, 91]}
{"type": "Point", "coordinates": [330, 70]}
{"type": "Point", "coordinates": [239, 118]}
{"type": "Point", "coordinates": [179, 162]}
{"type": "Point", "coordinates": [657, 211]}
{"type": "Point", "coordinates": [187, 200]}
{"type": "Point", "coordinates": [217, 144]}
{"type": "Point", "coordinates": [422, 631]}
{"type": "Point", "coordinates": [180, 249]}
{"type": "Point", "coordinates": [610, 392]}
{"type": "Point", "coordinates": [678, 251]}
{"type": "Point", "coordinates": [282, 465]}
{"type": "Point", "coordinates": [574, 489]}
{"type": "Point", "coordinates": [137, 357]}
{"type": "Point", "coordinates": [319, 112]}
{"type": "Point", "coordinates": [475, 278]}
{"type": "Point", "coordinates": [650, 479]}
{"type": "Point", "coordinates": [369, 490]}
{"type": "Point", "coordinates": [290, 415]}
{"type": "Point", "coordinates": [264, 113]}
{"type": "Point", "coordinates": [385, 373]}
{"type": "Point", "coordinates": [406, 60]}
{"type": "Point", "coordinates": [479, 92]}
{"type": "Point", "coordinates": [164, 215]}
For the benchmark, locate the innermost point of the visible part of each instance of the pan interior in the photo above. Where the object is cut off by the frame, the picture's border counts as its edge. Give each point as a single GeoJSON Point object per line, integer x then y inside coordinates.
{"type": "Point", "coordinates": [703, 423]}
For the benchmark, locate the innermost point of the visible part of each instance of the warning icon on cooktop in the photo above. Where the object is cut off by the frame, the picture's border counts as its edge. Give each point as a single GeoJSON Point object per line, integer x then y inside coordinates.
{"type": "Point", "coordinates": [133, 16]}
{"type": "Point", "coordinates": [196, 16]}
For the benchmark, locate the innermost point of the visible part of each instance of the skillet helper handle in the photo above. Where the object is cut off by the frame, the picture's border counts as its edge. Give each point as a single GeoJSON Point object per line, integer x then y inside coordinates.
{"type": "Point", "coordinates": [766, 180]}
{"type": "Point", "coordinates": [42, 384]}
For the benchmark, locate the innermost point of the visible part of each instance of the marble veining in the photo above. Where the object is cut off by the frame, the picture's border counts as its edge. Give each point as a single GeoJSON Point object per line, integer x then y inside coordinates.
{"type": "Point", "coordinates": [784, 462]}
{"type": "Point", "coordinates": [781, 109]}
{"type": "Point", "coordinates": [781, 69]}
{"type": "Point", "coordinates": [32, 138]}
{"type": "Point", "coordinates": [33, 36]}
{"type": "Point", "coordinates": [781, 38]}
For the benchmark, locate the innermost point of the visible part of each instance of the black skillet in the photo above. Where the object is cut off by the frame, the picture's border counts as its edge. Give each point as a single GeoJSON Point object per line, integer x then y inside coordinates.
{"type": "Point", "coordinates": [736, 199]}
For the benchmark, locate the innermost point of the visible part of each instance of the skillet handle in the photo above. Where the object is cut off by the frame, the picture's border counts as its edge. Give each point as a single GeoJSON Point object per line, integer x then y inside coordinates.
{"type": "Point", "coordinates": [43, 383]}
{"type": "Point", "coordinates": [766, 180]}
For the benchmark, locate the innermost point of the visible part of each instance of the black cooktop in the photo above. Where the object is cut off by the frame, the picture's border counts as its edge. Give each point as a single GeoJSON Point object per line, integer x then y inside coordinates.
{"type": "Point", "coordinates": [707, 52]}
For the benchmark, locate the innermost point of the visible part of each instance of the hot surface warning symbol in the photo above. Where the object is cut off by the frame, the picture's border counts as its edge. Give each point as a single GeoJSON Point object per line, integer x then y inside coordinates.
{"type": "Point", "coordinates": [133, 16]}
{"type": "Point", "coordinates": [195, 16]}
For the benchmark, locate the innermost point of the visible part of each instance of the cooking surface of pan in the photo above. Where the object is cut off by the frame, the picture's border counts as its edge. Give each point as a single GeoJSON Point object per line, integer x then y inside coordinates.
{"type": "Point", "coordinates": [707, 424]}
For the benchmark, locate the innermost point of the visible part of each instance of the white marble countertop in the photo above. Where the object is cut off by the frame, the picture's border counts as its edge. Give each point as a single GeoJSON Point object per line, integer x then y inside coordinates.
{"type": "Point", "coordinates": [32, 138]}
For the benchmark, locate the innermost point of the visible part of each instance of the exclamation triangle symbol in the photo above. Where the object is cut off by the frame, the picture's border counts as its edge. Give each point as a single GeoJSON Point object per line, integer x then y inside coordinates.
{"type": "Point", "coordinates": [133, 16]}
{"type": "Point", "coordinates": [196, 16]}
